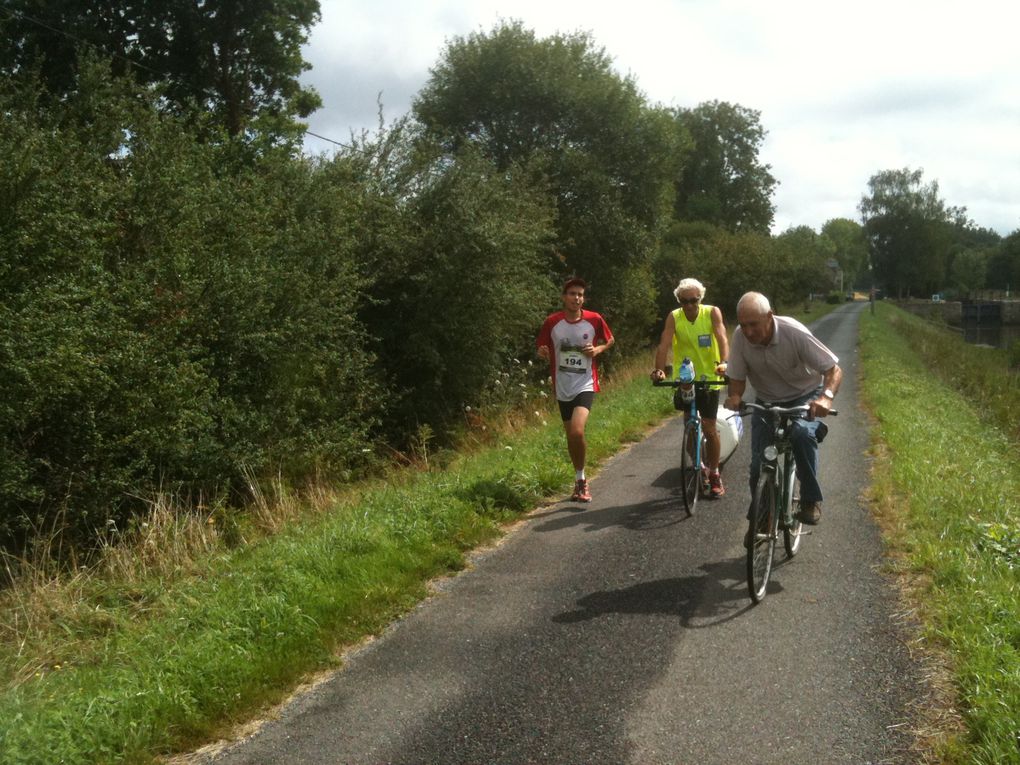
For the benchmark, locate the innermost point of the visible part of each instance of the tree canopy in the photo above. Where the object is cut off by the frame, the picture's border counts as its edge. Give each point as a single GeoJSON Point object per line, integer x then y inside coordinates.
{"type": "Point", "coordinates": [910, 231]}
{"type": "Point", "coordinates": [239, 59]}
{"type": "Point", "coordinates": [554, 109]}
{"type": "Point", "coordinates": [723, 181]}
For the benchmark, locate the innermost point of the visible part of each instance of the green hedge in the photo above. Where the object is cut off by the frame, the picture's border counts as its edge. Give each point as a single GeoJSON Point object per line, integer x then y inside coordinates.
{"type": "Point", "coordinates": [170, 318]}
{"type": "Point", "coordinates": [181, 312]}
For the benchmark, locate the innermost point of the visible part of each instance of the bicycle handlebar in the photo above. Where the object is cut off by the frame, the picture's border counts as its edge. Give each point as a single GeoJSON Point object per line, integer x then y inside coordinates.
{"type": "Point", "coordinates": [747, 407]}
{"type": "Point", "coordinates": [695, 383]}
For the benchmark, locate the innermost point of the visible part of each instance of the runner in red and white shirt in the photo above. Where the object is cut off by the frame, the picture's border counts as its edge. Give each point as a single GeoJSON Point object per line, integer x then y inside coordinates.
{"type": "Point", "coordinates": [570, 340]}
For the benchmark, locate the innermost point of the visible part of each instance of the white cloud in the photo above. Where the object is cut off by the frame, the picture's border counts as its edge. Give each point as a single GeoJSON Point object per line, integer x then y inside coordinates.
{"type": "Point", "coordinates": [844, 91]}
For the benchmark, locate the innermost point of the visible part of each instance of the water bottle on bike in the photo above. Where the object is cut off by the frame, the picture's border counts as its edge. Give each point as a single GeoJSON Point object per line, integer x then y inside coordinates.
{"type": "Point", "coordinates": [686, 380]}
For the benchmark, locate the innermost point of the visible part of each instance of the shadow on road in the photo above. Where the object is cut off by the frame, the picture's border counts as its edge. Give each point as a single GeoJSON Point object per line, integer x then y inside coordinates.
{"type": "Point", "coordinates": [699, 600]}
{"type": "Point", "coordinates": [640, 516]}
{"type": "Point", "coordinates": [671, 478]}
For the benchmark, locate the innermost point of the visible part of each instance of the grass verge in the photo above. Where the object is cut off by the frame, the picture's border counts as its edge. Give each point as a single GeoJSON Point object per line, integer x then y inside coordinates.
{"type": "Point", "coordinates": [946, 485]}
{"type": "Point", "coordinates": [979, 372]}
{"type": "Point", "coordinates": [105, 669]}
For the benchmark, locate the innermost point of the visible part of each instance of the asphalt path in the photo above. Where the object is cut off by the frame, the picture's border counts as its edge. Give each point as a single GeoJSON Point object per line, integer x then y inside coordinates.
{"type": "Point", "coordinates": [622, 632]}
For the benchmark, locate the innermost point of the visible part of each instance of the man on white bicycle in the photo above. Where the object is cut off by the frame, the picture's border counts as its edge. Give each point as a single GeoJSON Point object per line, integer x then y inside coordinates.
{"type": "Point", "coordinates": [788, 366]}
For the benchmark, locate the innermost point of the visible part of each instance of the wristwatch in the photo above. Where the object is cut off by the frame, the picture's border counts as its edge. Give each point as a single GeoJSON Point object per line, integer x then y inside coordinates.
{"type": "Point", "coordinates": [829, 394]}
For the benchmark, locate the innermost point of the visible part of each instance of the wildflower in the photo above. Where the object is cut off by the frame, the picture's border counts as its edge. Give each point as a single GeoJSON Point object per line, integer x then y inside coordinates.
{"type": "Point", "coordinates": [508, 448]}
{"type": "Point", "coordinates": [537, 414]}
{"type": "Point", "coordinates": [467, 407]}
{"type": "Point", "coordinates": [543, 394]}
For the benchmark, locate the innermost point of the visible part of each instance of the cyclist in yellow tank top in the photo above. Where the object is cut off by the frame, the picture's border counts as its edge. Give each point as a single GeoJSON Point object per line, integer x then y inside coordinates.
{"type": "Point", "coordinates": [698, 332]}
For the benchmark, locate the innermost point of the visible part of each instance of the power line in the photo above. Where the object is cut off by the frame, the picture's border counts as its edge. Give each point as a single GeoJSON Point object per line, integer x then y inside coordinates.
{"type": "Point", "coordinates": [338, 143]}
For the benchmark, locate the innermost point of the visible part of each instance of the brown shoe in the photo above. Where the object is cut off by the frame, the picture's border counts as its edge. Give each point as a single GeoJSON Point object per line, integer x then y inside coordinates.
{"type": "Point", "coordinates": [810, 513]}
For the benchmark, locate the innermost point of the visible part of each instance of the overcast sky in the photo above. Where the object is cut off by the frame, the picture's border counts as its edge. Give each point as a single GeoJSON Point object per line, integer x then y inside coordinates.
{"type": "Point", "coordinates": [845, 90]}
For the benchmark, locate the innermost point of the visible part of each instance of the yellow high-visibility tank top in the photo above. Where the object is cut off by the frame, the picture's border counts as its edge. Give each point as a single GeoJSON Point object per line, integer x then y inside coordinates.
{"type": "Point", "coordinates": [697, 341]}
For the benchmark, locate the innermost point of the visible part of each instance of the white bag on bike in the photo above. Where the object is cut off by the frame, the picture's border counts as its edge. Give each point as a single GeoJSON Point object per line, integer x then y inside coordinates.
{"type": "Point", "coordinates": [731, 428]}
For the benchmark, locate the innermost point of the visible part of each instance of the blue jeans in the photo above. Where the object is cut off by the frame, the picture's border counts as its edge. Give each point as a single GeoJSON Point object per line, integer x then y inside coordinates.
{"type": "Point", "coordinates": [803, 436]}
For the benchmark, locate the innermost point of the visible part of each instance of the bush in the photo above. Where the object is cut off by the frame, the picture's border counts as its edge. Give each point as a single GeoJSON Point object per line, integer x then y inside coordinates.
{"type": "Point", "coordinates": [171, 318]}
{"type": "Point", "coordinates": [464, 293]}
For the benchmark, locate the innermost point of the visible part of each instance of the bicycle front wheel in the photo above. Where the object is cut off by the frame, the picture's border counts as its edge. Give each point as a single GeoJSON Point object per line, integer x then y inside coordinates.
{"type": "Point", "coordinates": [762, 537]}
{"type": "Point", "coordinates": [690, 466]}
{"type": "Point", "coordinates": [792, 527]}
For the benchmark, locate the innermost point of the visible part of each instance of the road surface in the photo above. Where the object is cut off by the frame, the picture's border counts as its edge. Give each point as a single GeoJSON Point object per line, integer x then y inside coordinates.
{"type": "Point", "coordinates": [622, 632]}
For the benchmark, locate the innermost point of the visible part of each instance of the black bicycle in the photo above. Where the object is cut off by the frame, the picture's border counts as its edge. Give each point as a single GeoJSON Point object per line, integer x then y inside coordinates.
{"type": "Point", "coordinates": [692, 475]}
{"type": "Point", "coordinates": [772, 504]}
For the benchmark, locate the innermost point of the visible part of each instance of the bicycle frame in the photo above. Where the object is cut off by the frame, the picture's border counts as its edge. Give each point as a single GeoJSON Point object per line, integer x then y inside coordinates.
{"type": "Point", "coordinates": [776, 481]}
{"type": "Point", "coordinates": [692, 485]}
{"type": "Point", "coordinates": [694, 417]}
{"type": "Point", "coordinates": [777, 461]}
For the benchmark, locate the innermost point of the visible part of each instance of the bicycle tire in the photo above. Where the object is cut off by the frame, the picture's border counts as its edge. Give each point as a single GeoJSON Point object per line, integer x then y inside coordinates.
{"type": "Point", "coordinates": [762, 542]}
{"type": "Point", "coordinates": [794, 531]}
{"type": "Point", "coordinates": [690, 473]}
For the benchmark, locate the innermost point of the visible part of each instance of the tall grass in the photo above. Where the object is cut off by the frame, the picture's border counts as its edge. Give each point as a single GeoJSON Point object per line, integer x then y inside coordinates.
{"type": "Point", "coordinates": [948, 483]}
{"type": "Point", "coordinates": [979, 372]}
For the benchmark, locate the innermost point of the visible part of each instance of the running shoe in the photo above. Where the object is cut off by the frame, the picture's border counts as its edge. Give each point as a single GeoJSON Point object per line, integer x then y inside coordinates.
{"type": "Point", "coordinates": [581, 493]}
{"type": "Point", "coordinates": [715, 485]}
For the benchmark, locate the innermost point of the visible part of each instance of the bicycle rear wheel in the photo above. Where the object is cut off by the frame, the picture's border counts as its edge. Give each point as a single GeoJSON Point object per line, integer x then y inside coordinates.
{"type": "Point", "coordinates": [690, 466]}
{"type": "Point", "coordinates": [762, 543]}
{"type": "Point", "coordinates": [792, 529]}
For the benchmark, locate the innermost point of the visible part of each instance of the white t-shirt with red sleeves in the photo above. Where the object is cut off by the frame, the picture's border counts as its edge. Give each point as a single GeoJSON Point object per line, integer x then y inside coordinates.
{"type": "Point", "coordinates": [572, 371]}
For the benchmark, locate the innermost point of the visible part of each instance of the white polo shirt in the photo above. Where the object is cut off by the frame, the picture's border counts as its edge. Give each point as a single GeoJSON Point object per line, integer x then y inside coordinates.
{"type": "Point", "coordinates": [790, 366]}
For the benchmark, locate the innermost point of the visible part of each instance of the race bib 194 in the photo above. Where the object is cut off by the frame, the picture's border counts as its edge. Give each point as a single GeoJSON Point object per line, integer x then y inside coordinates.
{"type": "Point", "coordinates": [573, 361]}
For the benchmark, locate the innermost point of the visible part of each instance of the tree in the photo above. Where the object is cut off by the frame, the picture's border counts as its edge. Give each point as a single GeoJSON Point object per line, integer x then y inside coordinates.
{"type": "Point", "coordinates": [554, 109]}
{"type": "Point", "coordinates": [909, 230]}
{"type": "Point", "coordinates": [968, 271]}
{"type": "Point", "coordinates": [802, 264]}
{"type": "Point", "coordinates": [1004, 265]}
{"type": "Point", "coordinates": [239, 59]}
{"type": "Point", "coordinates": [723, 182]}
{"type": "Point", "coordinates": [850, 248]}
{"type": "Point", "coordinates": [785, 268]}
